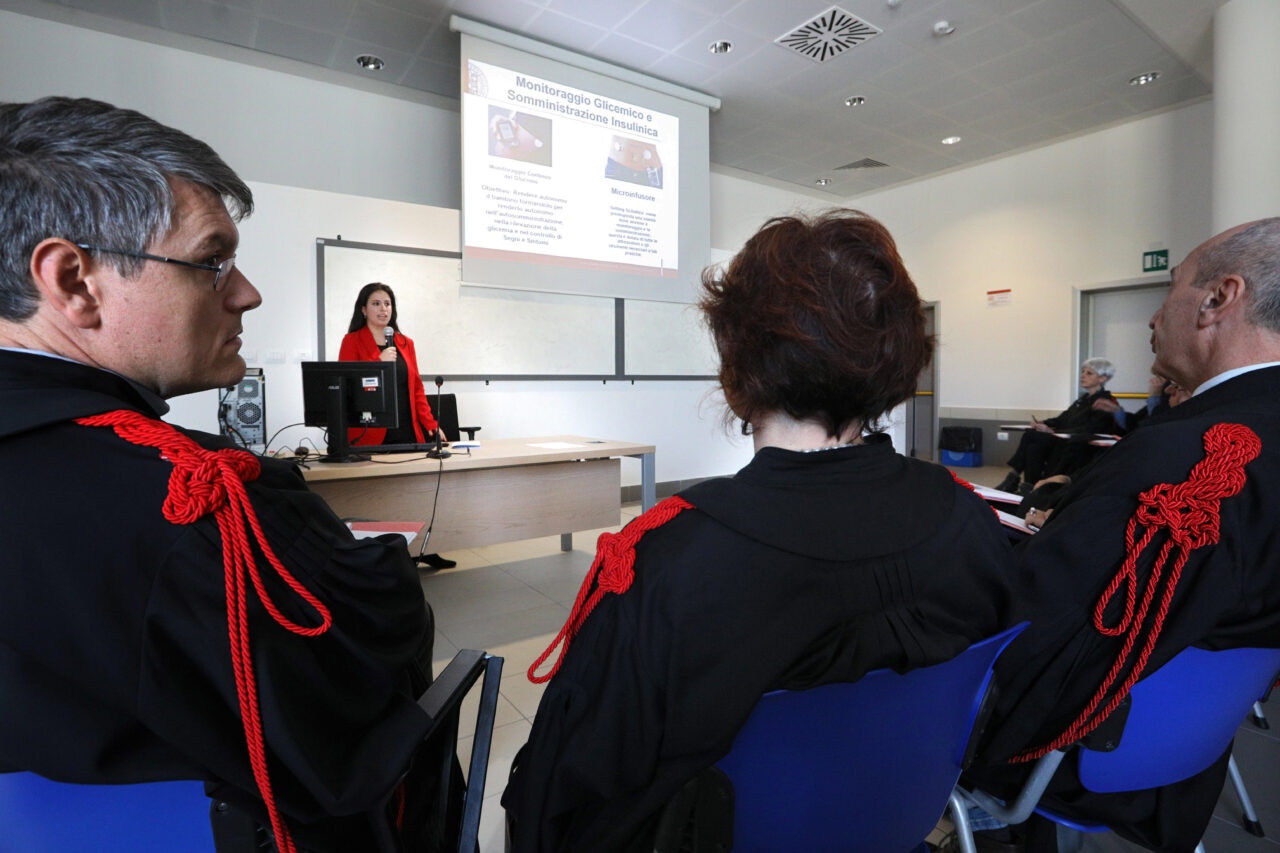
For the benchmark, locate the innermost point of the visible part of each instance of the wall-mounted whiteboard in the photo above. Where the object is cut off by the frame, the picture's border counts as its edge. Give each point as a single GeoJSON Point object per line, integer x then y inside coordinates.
{"type": "Point", "coordinates": [469, 332]}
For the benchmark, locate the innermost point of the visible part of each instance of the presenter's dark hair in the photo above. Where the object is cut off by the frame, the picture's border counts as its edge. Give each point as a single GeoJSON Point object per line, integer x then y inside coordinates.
{"type": "Point", "coordinates": [362, 299]}
{"type": "Point", "coordinates": [817, 317]}
{"type": "Point", "coordinates": [92, 173]}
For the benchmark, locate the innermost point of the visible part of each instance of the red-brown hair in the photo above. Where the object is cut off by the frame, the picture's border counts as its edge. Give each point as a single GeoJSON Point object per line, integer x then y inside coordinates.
{"type": "Point", "coordinates": [817, 317]}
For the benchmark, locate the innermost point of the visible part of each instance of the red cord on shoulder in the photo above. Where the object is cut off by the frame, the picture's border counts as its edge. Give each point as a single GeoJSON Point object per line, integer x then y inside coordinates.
{"type": "Point", "coordinates": [212, 481]}
{"type": "Point", "coordinates": [1190, 513]}
{"type": "Point", "coordinates": [612, 571]}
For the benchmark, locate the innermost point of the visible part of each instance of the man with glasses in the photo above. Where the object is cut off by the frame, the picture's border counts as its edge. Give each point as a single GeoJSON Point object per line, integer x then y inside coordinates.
{"type": "Point", "coordinates": [174, 608]}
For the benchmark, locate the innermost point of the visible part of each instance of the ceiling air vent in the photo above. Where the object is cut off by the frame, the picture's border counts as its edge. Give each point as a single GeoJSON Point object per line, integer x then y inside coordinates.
{"type": "Point", "coordinates": [864, 163]}
{"type": "Point", "coordinates": [828, 35]}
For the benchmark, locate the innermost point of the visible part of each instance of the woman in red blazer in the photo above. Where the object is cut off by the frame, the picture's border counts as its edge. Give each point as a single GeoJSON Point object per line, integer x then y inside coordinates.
{"type": "Point", "coordinates": [367, 339]}
{"type": "Point", "coordinates": [374, 335]}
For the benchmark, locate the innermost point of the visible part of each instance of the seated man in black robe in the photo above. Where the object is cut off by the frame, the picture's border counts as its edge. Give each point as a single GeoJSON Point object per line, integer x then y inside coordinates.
{"type": "Point", "coordinates": [174, 608]}
{"type": "Point", "coordinates": [1218, 332]}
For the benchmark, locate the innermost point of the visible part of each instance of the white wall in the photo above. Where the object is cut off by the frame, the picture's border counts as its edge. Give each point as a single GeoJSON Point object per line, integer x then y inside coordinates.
{"type": "Point", "coordinates": [1071, 215]}
{"type": "Point", "coordinates": [268, 125]}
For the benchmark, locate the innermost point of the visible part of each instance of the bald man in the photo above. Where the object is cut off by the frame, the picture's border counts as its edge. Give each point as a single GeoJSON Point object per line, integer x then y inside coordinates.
{"type": "Point", "coordinates": [1218, 332]}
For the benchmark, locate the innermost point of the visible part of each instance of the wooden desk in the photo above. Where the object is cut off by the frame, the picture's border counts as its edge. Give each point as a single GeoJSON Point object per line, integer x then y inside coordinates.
{"type": "Point", "coordinates": [507, 489]}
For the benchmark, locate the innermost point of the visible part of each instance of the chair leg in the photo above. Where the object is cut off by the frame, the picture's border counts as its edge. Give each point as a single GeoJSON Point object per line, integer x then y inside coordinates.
{"type": "Point", "coordinates": [960, 819]}
{"type": "Point", "coordinates": [1258, 717]}
{"type": "Point", "coordinates": [1069, 840]}
{"type": "Point", "coordinates": [1251, 823]}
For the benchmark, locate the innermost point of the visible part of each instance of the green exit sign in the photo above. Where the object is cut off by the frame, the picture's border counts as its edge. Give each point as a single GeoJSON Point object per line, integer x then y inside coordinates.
{"type": "Point", "coordinates": [1155, 261]}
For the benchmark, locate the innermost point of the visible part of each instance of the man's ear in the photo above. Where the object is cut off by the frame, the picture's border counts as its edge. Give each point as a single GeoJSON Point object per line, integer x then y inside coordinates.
{"type": "Point", "coordinates": [63, 273]}
{"type": "Point", "coordinates": [1221, 299]}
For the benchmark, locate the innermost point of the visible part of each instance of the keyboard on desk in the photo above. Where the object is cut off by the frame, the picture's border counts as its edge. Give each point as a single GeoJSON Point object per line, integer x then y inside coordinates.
{"type": "Point", "coordinates": [409, 447]}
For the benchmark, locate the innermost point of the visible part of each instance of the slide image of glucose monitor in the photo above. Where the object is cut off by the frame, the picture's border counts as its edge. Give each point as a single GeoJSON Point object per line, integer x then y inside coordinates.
{"type": "Point", "coordinates": [519, 136]}
{"type": "Point", "coordinates": [634, 161]}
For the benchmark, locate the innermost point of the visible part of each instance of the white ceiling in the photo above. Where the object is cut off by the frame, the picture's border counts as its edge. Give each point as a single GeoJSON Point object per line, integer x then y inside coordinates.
{"type": "Point", "coordinates": [1014, 74]}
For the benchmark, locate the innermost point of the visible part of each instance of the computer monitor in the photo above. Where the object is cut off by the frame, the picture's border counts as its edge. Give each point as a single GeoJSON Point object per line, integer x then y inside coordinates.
{"type": "Point", "coordinates": [338, 395]}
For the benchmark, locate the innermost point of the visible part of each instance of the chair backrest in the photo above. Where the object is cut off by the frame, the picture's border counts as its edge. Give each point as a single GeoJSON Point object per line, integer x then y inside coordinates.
{"type": "Point", "coordinates": [41, 816]}
{"type": "Point", "coordinates": [445, 408]}
{"type": "Point", "coordinates": [864, 766]}
{"type": "Point", "coordinates": [1183, 717]}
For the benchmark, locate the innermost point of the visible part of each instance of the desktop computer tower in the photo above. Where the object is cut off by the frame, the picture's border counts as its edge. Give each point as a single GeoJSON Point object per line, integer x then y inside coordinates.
{"type": "Point", "coordinates": [242, 410]}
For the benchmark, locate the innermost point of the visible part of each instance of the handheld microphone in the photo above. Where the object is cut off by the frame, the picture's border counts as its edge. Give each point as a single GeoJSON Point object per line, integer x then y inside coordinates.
{"type": "Point", "coordinates": [390, 334]}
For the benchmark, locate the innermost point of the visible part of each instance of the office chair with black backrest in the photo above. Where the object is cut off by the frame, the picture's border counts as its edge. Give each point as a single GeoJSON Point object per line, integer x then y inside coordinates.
{"type": "Point", "coordinates": [862, 767]}
{"type": "Point", "coordinates": [41, 816]}
{"type": "Point", "coordinates": [445, 407]}
{"type": "Point", "coordinates": [1182, 718]}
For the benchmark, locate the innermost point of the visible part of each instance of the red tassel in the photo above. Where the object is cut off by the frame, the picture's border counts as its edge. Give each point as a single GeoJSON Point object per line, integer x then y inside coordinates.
{"type": "Point", "coordinates": [612, 571]}
{"type": "Point", "coordinates": [212, 481]}
{"type": "Point", "coordinates": [1190, 514]}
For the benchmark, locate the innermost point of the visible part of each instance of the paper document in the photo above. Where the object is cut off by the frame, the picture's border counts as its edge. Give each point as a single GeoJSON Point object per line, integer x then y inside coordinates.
{"type": "Point", "coordinates": [465, 444]}
{"type": "Point", "coordinates": [989, 494]}
{"type": "Point", "coordinates": [369, 529]}
{"type": "Point", "coordinates": [1010, 520]}
{"type": "Point", "coordinates": [556, 445]}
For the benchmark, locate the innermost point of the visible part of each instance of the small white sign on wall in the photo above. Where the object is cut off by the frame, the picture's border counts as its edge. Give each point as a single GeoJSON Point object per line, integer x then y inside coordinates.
{"type": "Point", "coordinates": [996, 298]}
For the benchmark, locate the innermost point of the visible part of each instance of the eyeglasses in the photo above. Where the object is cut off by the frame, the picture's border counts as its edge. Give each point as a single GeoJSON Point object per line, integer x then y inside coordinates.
{"type": "Point", "coordinates": [221, 270]}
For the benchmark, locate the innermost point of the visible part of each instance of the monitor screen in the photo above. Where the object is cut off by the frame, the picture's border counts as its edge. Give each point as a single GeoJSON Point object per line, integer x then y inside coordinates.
{"type": "Point", "coordinates": [342, 395]}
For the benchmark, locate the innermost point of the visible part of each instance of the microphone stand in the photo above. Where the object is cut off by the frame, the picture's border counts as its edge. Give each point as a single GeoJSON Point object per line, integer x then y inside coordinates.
{"type": "Point", "coordinates": [439, 452]}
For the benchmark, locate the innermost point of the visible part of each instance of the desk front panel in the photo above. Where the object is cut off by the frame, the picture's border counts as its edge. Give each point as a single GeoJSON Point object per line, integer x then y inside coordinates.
{"type": "Point", "coordinates": [489, 505]}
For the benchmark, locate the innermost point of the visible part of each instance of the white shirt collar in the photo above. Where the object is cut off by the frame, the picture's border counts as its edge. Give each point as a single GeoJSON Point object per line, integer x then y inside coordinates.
{"type": "Point", "coordinates": [1231, 374]}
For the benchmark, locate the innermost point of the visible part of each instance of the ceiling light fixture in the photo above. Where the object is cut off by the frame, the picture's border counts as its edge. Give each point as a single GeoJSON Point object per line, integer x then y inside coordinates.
{"type": "Point", "coordinates": [951, 140]}
{"type": "Point", "coordinates": [369, 62]}
{"type": "Point", "coordinates": [1145, 78]}
{"type": "Point", "coordinates": [822, 182]}
{"type": "Point", "coordinates": [720, 47]}
{"type": "Point", "coordinates": [943, 28]}
{"type": "Point", "coordinates": [855, 101]}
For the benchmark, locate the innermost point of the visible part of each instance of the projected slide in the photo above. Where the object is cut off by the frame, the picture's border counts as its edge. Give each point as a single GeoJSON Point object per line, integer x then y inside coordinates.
{"type": "Point", "coordinates": [555, 174]}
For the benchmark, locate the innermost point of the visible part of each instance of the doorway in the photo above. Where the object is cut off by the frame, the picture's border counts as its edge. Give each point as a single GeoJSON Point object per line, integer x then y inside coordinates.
{"type": "Point", "coordinates": [922, 408]}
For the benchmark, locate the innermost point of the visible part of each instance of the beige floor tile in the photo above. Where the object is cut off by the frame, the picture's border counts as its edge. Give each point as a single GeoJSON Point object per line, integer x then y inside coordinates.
{"type": "Point", "coordinates": [493, 630]}
{"type": "Point", "coordinates": [506, 552]}
{"type": "Point", "coordinates": [522, 693]}
{"type": "Point", "coordinates": [492, 824]}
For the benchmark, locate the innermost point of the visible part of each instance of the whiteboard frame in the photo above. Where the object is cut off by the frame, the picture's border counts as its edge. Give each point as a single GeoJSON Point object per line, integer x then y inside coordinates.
{"type": "Point", "coordinates": [619, 324]}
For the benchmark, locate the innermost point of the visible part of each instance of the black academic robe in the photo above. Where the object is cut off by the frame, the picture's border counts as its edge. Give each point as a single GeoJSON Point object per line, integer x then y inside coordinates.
{"type": "Point", "coordinates": [1228, 596]}
{"type": "Point", "coordinates": [803, 569]}
{"type": "Point", "coordinates": [115, 663]}
{"type": "Point", "coordinates": [1042, 454]}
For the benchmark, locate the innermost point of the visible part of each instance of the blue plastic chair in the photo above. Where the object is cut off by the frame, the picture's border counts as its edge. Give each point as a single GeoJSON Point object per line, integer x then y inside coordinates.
{"type": "Point", "coordinates": [41, 816]}
{"type": "Point", "coordinates": [1183, 717]}
{"type": "Point", "coordinates": [862, 767]}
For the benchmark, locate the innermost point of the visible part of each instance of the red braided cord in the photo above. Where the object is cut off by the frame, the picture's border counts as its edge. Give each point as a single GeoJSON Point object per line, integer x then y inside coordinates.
{"type": "Point", "coordinates": [971, 488]}
{"type": "Point", "coordinates": [1190, 512]}
{"type": "Point", "coordinates": [204, 481]}
{"type": "Point", "coordinates": [614, 568]}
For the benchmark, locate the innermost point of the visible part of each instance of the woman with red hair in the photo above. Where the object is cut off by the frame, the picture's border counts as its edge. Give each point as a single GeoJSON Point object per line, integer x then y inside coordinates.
{"type": "Point", "coordinates": [827, 556]}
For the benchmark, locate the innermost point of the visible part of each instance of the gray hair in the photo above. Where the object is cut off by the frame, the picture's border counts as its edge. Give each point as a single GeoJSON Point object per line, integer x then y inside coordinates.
{"type": "Point", "coordinates": [1254, 255]}
{"type": "Point", "coordinates": [1101, 366]}
{"type": "Point", "coordinates": [93, 173]}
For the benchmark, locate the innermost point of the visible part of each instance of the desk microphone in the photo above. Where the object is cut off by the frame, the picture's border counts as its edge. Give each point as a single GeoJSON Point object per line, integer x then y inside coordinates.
{"type": "Point", "coordinates": [440, 452]}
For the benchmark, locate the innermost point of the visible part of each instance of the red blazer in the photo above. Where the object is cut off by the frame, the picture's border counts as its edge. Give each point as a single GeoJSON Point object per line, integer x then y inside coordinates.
{"type": "Point", "coordinates": [360, 345]}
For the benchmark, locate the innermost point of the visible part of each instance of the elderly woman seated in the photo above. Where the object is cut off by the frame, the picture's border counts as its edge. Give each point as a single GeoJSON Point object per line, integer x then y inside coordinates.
{"type": "Point", "coordinates": [1042, 453]}
{"type": "Point", "coordinates": [827, 556]}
